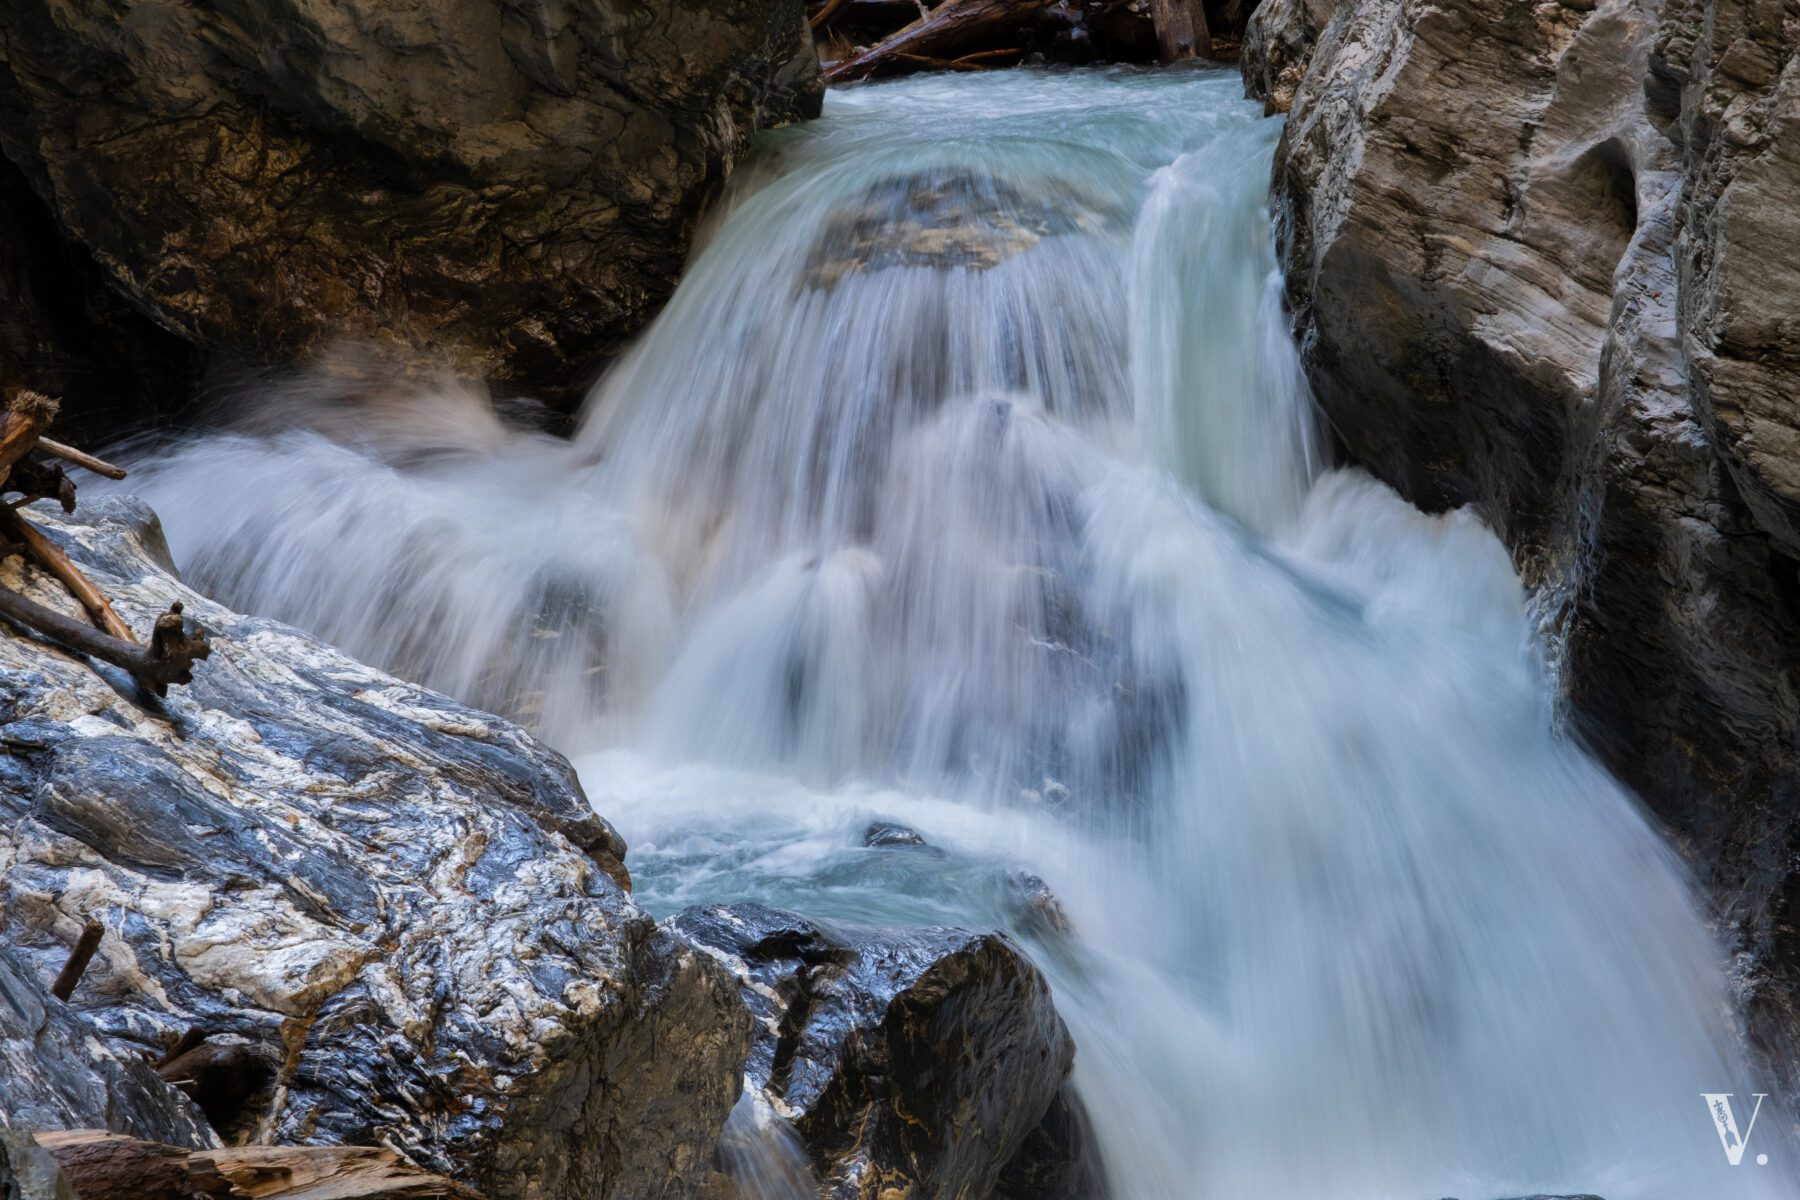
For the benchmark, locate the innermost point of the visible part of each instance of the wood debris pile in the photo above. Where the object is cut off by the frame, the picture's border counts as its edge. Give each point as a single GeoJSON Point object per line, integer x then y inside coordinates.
{"type": "Point", "coordinates": [31, 465]}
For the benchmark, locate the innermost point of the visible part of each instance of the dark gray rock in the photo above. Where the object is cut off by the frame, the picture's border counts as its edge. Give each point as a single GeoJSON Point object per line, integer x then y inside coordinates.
{"type": "Point", "coordinates": [57, 1073]}
{"type": "Point", "coordinates": [402, 907]}
{"type": "Point", "coordinates": [27, 1172]}
{"type": "Point", "coordinates": [513, 183]}
{"type": "Point", "coordinates": [1545, 260]}
{"type": "Point", "coordinates": [918, 1060]}
{"type": "Point", "coordinates": [890, 833]}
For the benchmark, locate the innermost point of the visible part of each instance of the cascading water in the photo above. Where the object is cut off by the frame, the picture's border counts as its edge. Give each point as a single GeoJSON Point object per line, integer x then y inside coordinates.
{"type": "Point", "coordinates": [968, 481]}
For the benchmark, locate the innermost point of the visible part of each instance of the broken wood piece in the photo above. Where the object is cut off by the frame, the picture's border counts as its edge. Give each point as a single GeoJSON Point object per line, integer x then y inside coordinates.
{"type": "Point", "coordinates": [985, 55]}
{"type": "Point", "coordinates": [27, 416]}
{"type": "Point", "coordinates": [187, 1041]}
{"type": "Point", "coordinates": [80, 458]}
{"type": "Point", "coordinates": [172, 661]}
{"type": "Point", "coordinates": [945, 30]}
{"type": "Point", "coordinates": [37, 480]}
{"type": "Point", "coordinates": [940, 64]}
{"type": "Point", "coordinates": [58, 563]}
{"type": "Point", "coordinates": [110, 1166]}
{"type": "Point", "coordinates": [70, 975]}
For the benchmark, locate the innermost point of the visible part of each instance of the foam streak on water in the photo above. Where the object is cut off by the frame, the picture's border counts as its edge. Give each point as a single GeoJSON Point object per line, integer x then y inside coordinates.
{"type": "Point", "coordinates": [969, 481]}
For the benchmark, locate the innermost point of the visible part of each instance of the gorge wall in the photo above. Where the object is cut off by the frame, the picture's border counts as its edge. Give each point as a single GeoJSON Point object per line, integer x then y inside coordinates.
{"type": "Point", "coordinates": [1544, 259]}
{"type": "Point", "coordinates": [510, 184]}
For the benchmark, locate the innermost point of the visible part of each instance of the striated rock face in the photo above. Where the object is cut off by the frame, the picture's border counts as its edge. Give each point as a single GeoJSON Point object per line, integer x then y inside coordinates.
{"type": "Point", "coordinates": [923, 1062]}
{"type": "Point", "coordinates": [512, 182]}
{"type": "Point", "coordinates": [1544, 258]}
{"type": "Point", "coordinates": [58, 1075]}
{"type": "Point", "coordinates": [396, 915]}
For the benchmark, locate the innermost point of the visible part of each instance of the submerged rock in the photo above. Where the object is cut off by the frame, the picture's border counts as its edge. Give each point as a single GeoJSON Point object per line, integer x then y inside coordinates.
{"type": "Point", "coordinates": [402, 906]}
{"type": "Point", "coordinates": [1540, 260]}
{"type": "Point", "coordinates": [513, 183]}
{"type": "Point", "coordinates": [913, 1062]}
{"type": "Point", "coordinates": [945, 221]}
{"type": "Point", "coordinates": [891, 833]}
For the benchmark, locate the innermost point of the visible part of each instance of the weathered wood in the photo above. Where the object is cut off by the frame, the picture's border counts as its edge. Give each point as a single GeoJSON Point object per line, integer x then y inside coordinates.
{"type": "Point", "coordinates": [108, 1166]}
{"type": "Point", "coordinates": [70, 975]}
{"type": "Point", "coordinates": [831, 9]}
{"type": "Point", "coordinates": [192, 1038]}
{"type": "Point", "coordinates": [27, 416]}
{"type": "Point", "coordinates": [946, 32]}
{"type": "Point", "coordinates": [1181, 29]}
{"type": "Point", "coordinates": [174, 665]}
{"type": "Point", "coordinates": [37, 479]}
{"type": "Point", "coordinates": [80, 458]}
{"type": "Point", "coordinates": [51, 556]}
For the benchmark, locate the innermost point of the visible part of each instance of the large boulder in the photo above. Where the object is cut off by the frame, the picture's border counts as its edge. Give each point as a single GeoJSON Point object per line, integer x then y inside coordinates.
{"type": "Point", "coordinates": [514, 183]}
{"type": "Point", "coordinates": [395, 918]}
{"type": "Point", "coordinates": [924, 1062]}
{"type": "Point", "coordinates": [1544, 259]}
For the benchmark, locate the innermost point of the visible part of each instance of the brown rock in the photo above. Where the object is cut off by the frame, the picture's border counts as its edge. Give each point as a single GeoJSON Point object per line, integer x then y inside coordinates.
{"type": "Point", "coordinates": [513, 182]}
{"type": "Point", "coordinates": [1544, 259]}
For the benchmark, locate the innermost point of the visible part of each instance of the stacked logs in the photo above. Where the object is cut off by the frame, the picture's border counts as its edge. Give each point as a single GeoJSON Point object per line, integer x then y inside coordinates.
{"type": "Point", "coordinates": [31, 464]}
{"type": "Point", "coordinates": [864, 39]}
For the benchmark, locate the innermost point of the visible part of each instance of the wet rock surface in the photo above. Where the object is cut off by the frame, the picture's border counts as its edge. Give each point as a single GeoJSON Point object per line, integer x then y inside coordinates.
{"type": "Point", "coordinates": [401, 909]}
{"type": "Point", "coordinates": [56, 1073]}
{"type": "Point", "coordinates": [930, 1061]}
{"type": "Point", "coordinates": [514, 184]}
{"type": "Point", "coordinates": [1539, 264]}
{"type": "Point", "coordinates": [948, 221]}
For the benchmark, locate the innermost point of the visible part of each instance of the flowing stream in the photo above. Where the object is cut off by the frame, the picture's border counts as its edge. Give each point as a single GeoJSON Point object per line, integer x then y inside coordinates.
{"type": "Point", "coordinates": [969, 481]}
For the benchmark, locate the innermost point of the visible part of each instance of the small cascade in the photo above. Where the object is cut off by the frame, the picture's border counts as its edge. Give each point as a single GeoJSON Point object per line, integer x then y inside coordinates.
{"type": "Point", "coordinates": [969, 480]}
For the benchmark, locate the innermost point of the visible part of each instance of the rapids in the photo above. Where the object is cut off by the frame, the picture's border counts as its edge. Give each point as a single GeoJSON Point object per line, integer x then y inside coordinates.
{"type": "Point", "coordinates": [969, 480]}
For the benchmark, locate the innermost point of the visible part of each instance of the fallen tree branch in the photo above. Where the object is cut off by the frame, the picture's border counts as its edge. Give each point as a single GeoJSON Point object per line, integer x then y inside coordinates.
{"type": "Point", "coordinates": [80, 458]}
{"type": "Point", "coordinates": [985, 55]}
{"type": "Point", "coordinates": [940, 64]}
{"type": "Point", "coordinates": [825, 14]}
{"type": "Point", "coordinates": [59, 564]}
{"type": "Point", "coordinates": [944, 30]}
{"type": "Point", "coordinates": [79, 957]}
{"type": "Point", "coordinates": [168, 659]}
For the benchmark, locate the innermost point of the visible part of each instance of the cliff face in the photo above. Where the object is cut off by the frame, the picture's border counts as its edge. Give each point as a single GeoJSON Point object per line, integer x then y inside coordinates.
{"type": "Point", "coordinates": [512, 183]}
{"type": "Point", "coordinates": [1544, 258]}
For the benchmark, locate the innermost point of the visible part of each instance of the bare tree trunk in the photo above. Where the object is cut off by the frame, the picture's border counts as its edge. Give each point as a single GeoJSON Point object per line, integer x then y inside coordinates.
{"type": "Point", "coordinates": [1181, 30]}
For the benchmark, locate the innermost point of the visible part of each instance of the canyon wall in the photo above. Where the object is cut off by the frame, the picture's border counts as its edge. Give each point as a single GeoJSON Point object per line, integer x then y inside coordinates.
{"type": "Point", "coordinates": [1544, 259]}
{"type": "Point", "coordinates": [512, 185]}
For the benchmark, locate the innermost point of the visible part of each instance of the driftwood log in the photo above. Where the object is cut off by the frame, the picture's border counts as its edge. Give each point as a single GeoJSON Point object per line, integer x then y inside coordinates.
{"type": "Point", "coordinates": [1181, 29]}
{"type": "Point", "coordinates": [942, 35]}
{"type": "Point", "coordinates": [109, 1166]}
{"type": "Point", "coordinates": [169, 659]}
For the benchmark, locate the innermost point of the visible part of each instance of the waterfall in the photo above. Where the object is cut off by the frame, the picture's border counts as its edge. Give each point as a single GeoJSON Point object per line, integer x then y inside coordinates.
{"type": "Point", "coordinates": [969, 481]}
